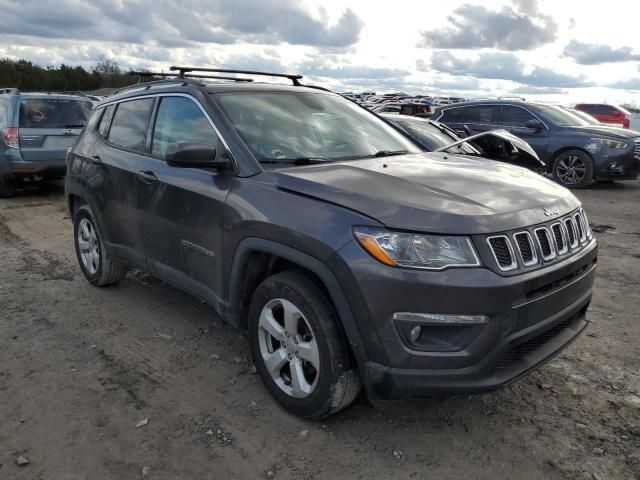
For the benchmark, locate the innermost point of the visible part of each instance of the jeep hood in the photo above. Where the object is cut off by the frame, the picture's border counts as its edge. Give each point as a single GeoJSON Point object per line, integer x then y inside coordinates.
{"type": "Point", "coordinates": [433, 192]}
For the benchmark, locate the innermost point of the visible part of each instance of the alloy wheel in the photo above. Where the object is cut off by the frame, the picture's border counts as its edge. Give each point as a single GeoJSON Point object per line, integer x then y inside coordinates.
{"type": "Point", "coordinates": [89, 246]}
{"type": "Point", "coordinates": [571, 170]}
{"type": "Point", "coordinates": [288, 348]}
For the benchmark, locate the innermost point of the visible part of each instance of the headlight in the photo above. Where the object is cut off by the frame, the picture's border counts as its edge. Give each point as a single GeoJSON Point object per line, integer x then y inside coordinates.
{"type": "Point", "coordinates": [432, 252]}
{"type": "Point", "coordinates": [615, 144]}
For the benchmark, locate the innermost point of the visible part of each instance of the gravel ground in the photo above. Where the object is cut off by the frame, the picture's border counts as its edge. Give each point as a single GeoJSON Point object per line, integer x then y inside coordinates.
{"type": "Point", "coordinates": [141, 380]}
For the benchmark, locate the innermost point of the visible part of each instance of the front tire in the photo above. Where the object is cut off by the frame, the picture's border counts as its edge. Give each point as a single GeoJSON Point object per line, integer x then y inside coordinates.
{"type": "Point", "coordinates": [573, 169]}
{"type": "Point", "coordinates": [7, 186]}
{"type": "Point", "coordinates": [298, 347]}
{"type": "Point", "coordinates": [97, 268]}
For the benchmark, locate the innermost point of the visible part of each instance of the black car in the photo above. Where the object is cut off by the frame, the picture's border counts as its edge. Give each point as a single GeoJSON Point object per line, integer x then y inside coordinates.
{"type": "Point", "coordinates": [576, 151]}
{"type": "Point", "coordinates": [494, 144]}
{"type": "Point", "coordinates": [351, 257]}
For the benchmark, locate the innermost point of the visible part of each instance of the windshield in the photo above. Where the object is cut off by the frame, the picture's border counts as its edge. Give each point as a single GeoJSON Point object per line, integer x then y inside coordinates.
{"type": "Point", "coordinates": [54, 113]}
{"type": "Point", "coordinates": [290, 127]}
{"type": "Point", "coordinates": [561, 117]}
{"type": "Point", "coordinates": [432, 135]}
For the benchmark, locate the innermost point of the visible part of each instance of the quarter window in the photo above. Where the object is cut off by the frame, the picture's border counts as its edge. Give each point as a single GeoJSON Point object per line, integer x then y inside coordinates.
{"type": "Point", "coordinates": [129, 126]}
{"type": "Point", "coordinates": [4, 113]}
{"type": "Point", "coordinates": [105, 121]}
{"type": "Point", "coordinates": [180, 119]}
{"type": "Point", "coordinates": [515, 116]}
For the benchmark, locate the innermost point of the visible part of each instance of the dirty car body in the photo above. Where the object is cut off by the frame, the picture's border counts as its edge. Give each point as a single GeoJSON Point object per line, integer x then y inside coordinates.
{"type": "Point", "coordinates": [505, 265]}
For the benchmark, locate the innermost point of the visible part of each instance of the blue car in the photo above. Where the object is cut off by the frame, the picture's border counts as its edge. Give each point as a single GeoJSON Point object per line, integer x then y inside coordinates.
{"type": "Point", "coordinates": [37, 130]}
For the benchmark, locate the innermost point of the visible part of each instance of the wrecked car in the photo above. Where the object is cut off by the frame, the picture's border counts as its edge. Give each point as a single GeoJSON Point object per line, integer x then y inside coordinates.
{"type": "Point", "coordinates": [576, 151]}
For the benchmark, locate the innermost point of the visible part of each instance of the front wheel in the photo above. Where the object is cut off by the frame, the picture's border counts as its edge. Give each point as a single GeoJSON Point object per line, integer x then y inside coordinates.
{"type": "Point", "coordinates": [298, 347]}
{"type": "Point", "coordinates": [97, 268]}
{"type": "Point", "coordinates": [573, 169]}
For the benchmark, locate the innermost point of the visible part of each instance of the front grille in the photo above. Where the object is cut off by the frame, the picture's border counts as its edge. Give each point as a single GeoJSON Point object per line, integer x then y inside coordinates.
{"type": "Point", "coordinates": [569, 224]}
{"type": "Point", "coordinates": [558, 236]}
{"type": "Point", "coordinates": [502, 252]}
{"type": "Point", "coordinates": [540, 244]}
{"type": "Point", "coordinates": [526, 248]}
{"type": "Point", "coordinates": [544, 242]}
{"type": "Point", "coordinates": [636, 151]}
{"type": "Point", "coordinates": [517, 352]}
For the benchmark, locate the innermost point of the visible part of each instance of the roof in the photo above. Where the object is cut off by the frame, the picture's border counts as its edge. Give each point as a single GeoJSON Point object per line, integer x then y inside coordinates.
{"type": "Point", "coordinates": [14, 92]}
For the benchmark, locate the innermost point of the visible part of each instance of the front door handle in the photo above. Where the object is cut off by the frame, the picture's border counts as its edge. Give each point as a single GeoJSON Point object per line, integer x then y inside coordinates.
{"type": "Point", "coordinates": [147, 176]}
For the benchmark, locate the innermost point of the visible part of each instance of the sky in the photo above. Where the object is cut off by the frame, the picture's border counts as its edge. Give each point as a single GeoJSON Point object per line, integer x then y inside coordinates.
{"type": "Point", "coordinates": [561, 51]}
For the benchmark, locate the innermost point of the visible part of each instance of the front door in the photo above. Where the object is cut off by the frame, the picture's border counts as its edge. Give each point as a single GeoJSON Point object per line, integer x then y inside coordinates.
{"type": "Point", "coordinates": [183, 207]}
{"type": "Point", "coordinates": [514, 119]}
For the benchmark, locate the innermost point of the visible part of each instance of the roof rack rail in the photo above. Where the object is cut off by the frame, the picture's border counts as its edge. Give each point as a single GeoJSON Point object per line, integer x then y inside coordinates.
{"type": "Point", "coordinates": [295, 79]}
{"type": "Point", "coordinates": [512, 97]}
{"type": "Point", "coordinates": [146, 85]}
{"type": "Point", "coordinates": [12, 91]}
{"type": "Point", "coordinates": [144, 75]}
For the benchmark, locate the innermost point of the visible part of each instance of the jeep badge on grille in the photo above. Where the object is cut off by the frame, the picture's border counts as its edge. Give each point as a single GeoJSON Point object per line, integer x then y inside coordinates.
{"type": "Point", "coordinates": [549, 212]}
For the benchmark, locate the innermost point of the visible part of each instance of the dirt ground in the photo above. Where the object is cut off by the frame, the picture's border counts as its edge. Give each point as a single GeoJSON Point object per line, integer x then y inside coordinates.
{"type": "Point", "coordinates": [81, 366]}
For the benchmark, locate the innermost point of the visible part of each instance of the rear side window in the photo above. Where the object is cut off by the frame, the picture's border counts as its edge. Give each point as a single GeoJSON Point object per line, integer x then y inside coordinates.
{"type": "Point", "coordinates": [482, 114]}
{"type": "Point", "coordinates": [180, 119]}
{"type": "Point", "coordinates": [105, 121]}
{"type": "Point", "coordinates": [130, 122]}
{"type": "Point", "coordinates": [4, 113]}
{"type": "Point", "coordinates": [453, 115]}
{"type": "Point", "coordinates": [515, 116]}
{"type": "Point", "coordinates": [53, 113]}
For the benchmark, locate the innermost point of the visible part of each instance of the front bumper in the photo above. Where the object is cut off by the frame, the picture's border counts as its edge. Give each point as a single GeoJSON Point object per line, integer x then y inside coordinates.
{"type": "Point", "coordinates": [614, 165]}
{"type": "Point", "coordinates": [532, 317]}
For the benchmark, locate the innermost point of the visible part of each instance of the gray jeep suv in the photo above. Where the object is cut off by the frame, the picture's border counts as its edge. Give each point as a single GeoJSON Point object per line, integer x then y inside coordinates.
{"type": "Point", "coordinates": [37, 130]}
{"type": "Point", "coordinates": [351, 258]}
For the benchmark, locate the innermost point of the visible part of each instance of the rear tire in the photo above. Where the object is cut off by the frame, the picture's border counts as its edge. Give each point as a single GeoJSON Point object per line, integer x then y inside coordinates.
{"type": "Point", "coordinates": [573, 169]}
{"type": "Point", "coordinates": [298, 347]}
{"type": "Point", "coordinates": [7, 186]}
{"type": "Point", "coordinates": [95, 264]}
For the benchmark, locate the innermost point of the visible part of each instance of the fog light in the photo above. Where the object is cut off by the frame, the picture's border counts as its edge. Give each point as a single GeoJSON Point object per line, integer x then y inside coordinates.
{"type": "Point", "coordinates": [438, 318]}
{"type": "Point", "coordinates": [415, 333]}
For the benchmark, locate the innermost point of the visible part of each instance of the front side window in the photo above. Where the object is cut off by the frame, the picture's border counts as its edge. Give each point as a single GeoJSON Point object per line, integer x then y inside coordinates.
{"type": "Point", "coordinates": [290, 127]}
{"type": "Point", "coordinates": [515, 116]}
{"type": "Point", "coordinates": [129, 126]}
{"type": "Point", "coordinates": [54, 113]}
{"type": "Point", "coordinates": [180, 119]}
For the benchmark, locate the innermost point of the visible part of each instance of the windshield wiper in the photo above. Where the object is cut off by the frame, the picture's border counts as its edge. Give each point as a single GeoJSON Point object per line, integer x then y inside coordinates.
{"type": "Point", "coordinates": [296, 161]}
{"type": "Point", "coordinates": [385, 153]}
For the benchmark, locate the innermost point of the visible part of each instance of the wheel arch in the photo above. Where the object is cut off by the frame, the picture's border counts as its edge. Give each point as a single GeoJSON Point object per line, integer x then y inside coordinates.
{"type": "Point", "coordinates": [255, 259]}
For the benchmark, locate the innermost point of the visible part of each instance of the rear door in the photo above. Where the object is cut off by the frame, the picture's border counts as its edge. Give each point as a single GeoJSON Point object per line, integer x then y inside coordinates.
{"type": "Point", "coordinates": [514, 119]}
{"type": "Point", "coordinates": [111, 176]}
{"type": "Point", "coordinates": [471, 119]}
{"type": "Point", "coordinates": [183, 208]}
{"type": "Point", "coordinates": [48, 126]}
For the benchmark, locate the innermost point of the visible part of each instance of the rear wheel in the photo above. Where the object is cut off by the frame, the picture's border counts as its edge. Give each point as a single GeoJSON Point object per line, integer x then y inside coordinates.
{"type": "Point", "coordinates": [97, 268]}
{"type": "Point", "coordinates": [298, 347]}
{"type": "Point", "coordinates": [7, 186]}
{"type": "Point", "coordinates": [573, 169]}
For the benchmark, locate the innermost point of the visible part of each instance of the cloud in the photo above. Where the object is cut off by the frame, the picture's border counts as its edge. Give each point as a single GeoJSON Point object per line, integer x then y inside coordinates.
{"type": "Point", "coordinates": [170, 24]}
{"type": "Point", "coordinates": [592, 54]}
{"type": "Point", "coordinates": [504, 66]}
{"type": "Point", "coordinates": [321, 69]}
{"type": "Point", "coordinates": [522, 27]}
{"type": "Point", "coordinates": [459, 83]}
{"type": "Point", "coordinates": [629, 84]}
{"type": "Point", "coordinates": [528, 90]}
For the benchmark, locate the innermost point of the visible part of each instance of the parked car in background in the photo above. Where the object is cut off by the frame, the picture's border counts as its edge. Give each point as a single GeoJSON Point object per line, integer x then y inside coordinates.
{"type": "Point", "coordinates": [605, 113]}
{"type": "Point", "coordinates": [317, 227]}
{"type": "Point", "coordinates": [494, 144]}
{"type": "Point", "coordinates": [584, 116]}
{"type": "Point", "coordinates": [576, 151]}
{"type": "Point", "coordinates": [37, 130]}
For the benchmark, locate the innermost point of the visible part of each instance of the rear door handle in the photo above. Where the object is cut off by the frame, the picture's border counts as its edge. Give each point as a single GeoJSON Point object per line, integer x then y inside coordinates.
{"type": "Point", "coordinates": [147, 176]}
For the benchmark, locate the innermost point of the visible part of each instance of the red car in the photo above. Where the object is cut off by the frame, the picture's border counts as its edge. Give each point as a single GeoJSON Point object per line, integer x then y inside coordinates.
{"type": "Point", "coordinates": [606, 113]}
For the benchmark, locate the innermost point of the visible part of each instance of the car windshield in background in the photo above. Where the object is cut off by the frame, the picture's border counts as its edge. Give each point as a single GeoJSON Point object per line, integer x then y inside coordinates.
{"type": "Point", "coordinates": [54, 113]}
{"type": "Point", "coordinates": [561, 117]}
{"type": "Point", "coordinates": [433, 136]}
{"type": "Point", "coordinates": [296, 127]}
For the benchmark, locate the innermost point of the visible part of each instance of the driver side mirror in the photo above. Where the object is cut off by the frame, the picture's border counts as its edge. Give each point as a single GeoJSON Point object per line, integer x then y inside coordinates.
{"type": "Point", "coordinates": [534, 124]}
{"type": "Point", "coordinates": [186, 154]}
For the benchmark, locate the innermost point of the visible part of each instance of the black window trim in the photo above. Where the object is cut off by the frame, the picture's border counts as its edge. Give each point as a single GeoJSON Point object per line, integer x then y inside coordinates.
{"type": "Point", "coordinates": [492, 105]}
{"type": "Point", "coordinates": [157, 97]}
